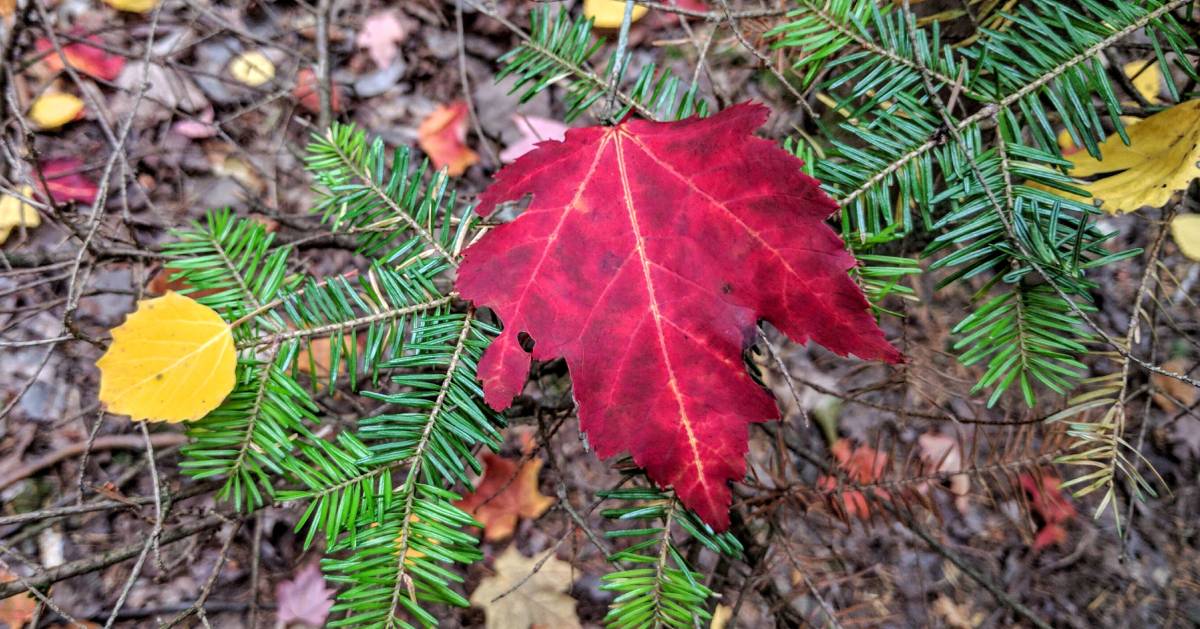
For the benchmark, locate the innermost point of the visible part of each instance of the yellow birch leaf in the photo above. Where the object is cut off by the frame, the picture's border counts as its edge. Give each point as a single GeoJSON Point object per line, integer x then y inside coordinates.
{"type": "Point", "coordinates": [1185, 229]}
{"type": "Point", "coordinates": [252, 68]}
{"type": "Point", "coordinates": [1146, 78]}
{"type": "Point", "coordinates": [610, 13]}
{"type": "Point", "coordinates": [14, 212]}
{"type": "Point", "coordinates": [172, 360]}
{"type": "Point", "coordinates": [55, 109]}
{"type": "Point", "coordinates": [133, 6]}
{"type": "Point", "coordinates": [1159, 161]}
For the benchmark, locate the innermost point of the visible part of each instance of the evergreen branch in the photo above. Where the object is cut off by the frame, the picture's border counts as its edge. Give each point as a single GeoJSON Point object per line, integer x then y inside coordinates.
{"type": "Point", "coordinates": [347, 325]}
{"type": "Point", "coordinates": [992, 108]}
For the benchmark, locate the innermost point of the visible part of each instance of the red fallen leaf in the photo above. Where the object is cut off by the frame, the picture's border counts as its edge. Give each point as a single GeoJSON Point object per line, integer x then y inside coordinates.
{"type": "Point", "coordinates": [65, 181]}
{"type": "Point", "coordinates": [861, 464]}
{"type": "Point", "coordinates": [504, 495]}
{"type": "Point", "coordinates": [443, 134]}
{"type": "Point", "coordinates": [83, 56]}
{"type": "Point", "coordinates": [646, 258]}
{"type": "Point", "coordinates": [308, 93]}
{"type": "Point", "coordinates": [1050, 506]}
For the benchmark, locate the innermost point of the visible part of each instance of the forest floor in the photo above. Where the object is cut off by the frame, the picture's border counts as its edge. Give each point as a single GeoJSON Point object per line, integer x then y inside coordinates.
{"type": "Point", "coordinates": [994, 547]}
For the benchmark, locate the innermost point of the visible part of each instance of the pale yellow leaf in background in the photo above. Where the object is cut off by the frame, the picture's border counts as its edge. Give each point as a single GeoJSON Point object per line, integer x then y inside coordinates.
{"type": "Point", "coordinates": [1159, 161]}
{"type": "Point", "coordinates": [720, 617]}
{"type": "Point", "coordinates": [1185, 229]}
{"type": "Point", "coordinates": [252, 68]}
{"type": "Point", "coordinates": [14, 212]}
{"type": "Point", "coordinates": [172, 360]}
{"type": "Point", "coordinates": [610, 13]}
{"type": "Point", "coordinates": [133, 6]}
{"type": "Point", "coordinates": [55, 109]}
{"type": "Point", "coordinates": [1146, 78]}
{"type": "Point", "coordinates": [539, 601]}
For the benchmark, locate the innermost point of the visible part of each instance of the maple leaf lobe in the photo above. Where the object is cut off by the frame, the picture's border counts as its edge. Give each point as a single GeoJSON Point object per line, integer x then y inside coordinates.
{"type": "Point", "coordinates": [646, 257]}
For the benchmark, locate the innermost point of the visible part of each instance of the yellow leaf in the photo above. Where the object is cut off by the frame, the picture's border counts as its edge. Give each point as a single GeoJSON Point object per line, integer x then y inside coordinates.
{"type": "Point", "coordinates": [1160, 160]}
{"type": "Point", "coordinates": [527, 597]}
{"type": "Point", "coordinates": [55, 109]}
{"type": "Point", "coordinates": [172, 360]}
{"type": "Point", "coordinates": [720, 617]}
{"type": "Point", "coordinates": [1146, 78]}
{"type": "Point", "coordinates": [133, 6]}
{"type": "Point", "coordinates": [252, 68]}
{"type": "Point", "coordinates": [1185, 228]}
{"type": "Point", "coordinates": [610, 13]}
{"type": "Point", "coordinates": [14, 212]}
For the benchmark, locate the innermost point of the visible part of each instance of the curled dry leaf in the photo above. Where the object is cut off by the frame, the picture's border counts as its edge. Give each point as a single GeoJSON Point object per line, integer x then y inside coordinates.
{"type": "Point", "coordinates": [942, 454]}
{"type": "Point", "coordinates": [66, 182]}
{"type": "Point", "coordinates": [538, 601]}
{"type": "Point", "coordinates": [1185, 229]}
{"type": "Point", "coordinates": [87, 56]}
{"type": "Point", "coordinates": [304, 599]}
{"type": "Point", "coordinates": [198, 128]}
{"type": "Point", "coordinates": [1160, 160]}
{"type": "Point", "coordinates": [610, 13]}
{"type": "Point", "coordinates": [252, 68]}
{"type": "Point", "coordinates": [1050, 508]}
{"type": "Point", "coordinates": [14, 213]}
{"type": "Point", "coordinates": [54, 109]}
{"type": "Point", "coordinates": [443, 135]}
{"type": "Point", "coordinates": [172, 360]}
{"type": "Point", "coordinates": [640, 260]}
{"type": "Point", "coordinates": [1169, 392]}
{"type": "Point", "coordinates": [504, 495]}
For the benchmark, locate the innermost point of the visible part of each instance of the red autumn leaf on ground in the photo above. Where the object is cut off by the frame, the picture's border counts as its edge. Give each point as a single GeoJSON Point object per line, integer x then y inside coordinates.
{"type": "Point", "coordinates": [646, 258]}
{"type": "Point", "coordinates": [443, 134]}
{"type": "Point", "coordinates": [505, 494]}
{"type": "Point", "coordinates": [86, 57]}
{"type": "Point", "coordinates": [1051, 509]}
{"type": "Point", "coordinates": [66, 182]}
{"type": "Point", "coordinates": [861, 464]}
{"type": "Point", "coordinates": [308, 92]}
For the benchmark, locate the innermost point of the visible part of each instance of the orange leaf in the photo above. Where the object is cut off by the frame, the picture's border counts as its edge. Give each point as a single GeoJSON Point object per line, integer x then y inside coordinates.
{"type": "Point", "coordinates": [504, 494]}
{"type": "Point", "coordinates": [308, 92]}
{"type": "Point", "coordinates": [87, 57]}
{"type": "Point", "coordinates": [442, 135]}
{"type": "Point", "coordinates": [16, 610]}
{"type": "Point", "coordinates": [861, 464]}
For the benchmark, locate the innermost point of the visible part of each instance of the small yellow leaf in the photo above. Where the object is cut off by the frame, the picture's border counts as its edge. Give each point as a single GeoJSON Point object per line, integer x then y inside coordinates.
{"type": "Point", "coordinates": [15, 212]}
{"type": "Point", "coordinates": [610, 13]}
{"type": "Point", "coordinates": [252, 68]}
{"type": "Point", "coordinates": [55, 109]}
{"type": "Point", "coordinates": [1146, 78]}
{"type": "Point", "coordinates": [133, 6]}
{"type": "Point", "coordinates": [172, 360]}
{"type": "Point", "coordinates": [1185, 228]}
{"type": "Point", "coordinates": [1159, 161]}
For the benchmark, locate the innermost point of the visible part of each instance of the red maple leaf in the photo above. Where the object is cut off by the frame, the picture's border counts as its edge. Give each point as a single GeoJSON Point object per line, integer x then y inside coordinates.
{"type": "Point", "coordinates": [646, 258]}
{"type": "Point", "coordinates": [87, 56]}
{"type": "Point", "coordinates": [65, 181]}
